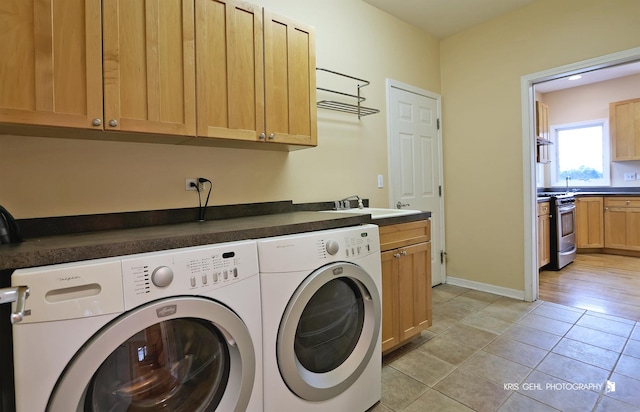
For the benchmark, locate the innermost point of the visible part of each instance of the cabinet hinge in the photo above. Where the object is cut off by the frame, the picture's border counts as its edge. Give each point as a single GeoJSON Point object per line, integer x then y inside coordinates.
{"type": "Point", "coordinates": [438, 123]}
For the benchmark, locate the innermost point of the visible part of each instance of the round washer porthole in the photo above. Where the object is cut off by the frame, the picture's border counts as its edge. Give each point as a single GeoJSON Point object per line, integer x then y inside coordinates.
{"type": "Point", "coordinates": [192, 315]}
{"type": "Point", "coordinates": [335, 312]}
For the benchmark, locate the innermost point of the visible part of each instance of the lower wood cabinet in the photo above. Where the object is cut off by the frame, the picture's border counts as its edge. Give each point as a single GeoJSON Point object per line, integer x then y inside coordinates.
{"type": "Point", "coordinates": [406, 282]}
{"type": "Point", "coordinates": [544, 234]}
{"type": "Point", "coordinates": [589, 222]}
{"type": "Point", "coordinates": [622, 223]}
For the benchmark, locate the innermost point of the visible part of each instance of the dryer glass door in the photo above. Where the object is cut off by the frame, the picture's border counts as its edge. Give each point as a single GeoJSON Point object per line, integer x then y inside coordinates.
{"type": "Point", "coordinates": [329, 331]}
{"type": "Point", "coordinates": [330, 326]}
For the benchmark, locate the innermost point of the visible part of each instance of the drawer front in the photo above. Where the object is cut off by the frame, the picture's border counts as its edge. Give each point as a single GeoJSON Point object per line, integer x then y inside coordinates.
{"type": "Point", "coordinates": [404, 234]}
{"type": "Point", "coordinates": [622, 201]}
{"type": "Point", "coordinates": [543, 208]}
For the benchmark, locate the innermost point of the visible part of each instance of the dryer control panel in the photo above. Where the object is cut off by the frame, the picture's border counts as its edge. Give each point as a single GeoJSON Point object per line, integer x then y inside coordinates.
{"type": "Point", "coordinates": [189, 271]}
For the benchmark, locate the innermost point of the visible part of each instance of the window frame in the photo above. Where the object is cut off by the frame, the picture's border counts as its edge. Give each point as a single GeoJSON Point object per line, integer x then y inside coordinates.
{"type": "Point", "coordinates": [606, 153]}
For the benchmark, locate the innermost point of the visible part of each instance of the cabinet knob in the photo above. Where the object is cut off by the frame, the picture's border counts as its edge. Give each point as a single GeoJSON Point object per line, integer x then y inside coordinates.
{"type": "Point", "coordinates": [403, 253]}
{"type": "Point", "coordinates": [113, 123]}
{"type": "Point", "coordinates": [272, 136]}
{"type": "Point", "coordinates": [96, 122]}
{"type": "Point", "coordinates": [262, 136]}
{"type": "Point", "coordinates": [628, 202]}
{"type": "Point", "coordinates": [396, 255]}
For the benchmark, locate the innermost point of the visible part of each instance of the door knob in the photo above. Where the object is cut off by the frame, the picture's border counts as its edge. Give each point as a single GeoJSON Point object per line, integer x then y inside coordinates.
{"type": "Point", "coordinates": [400, 205]}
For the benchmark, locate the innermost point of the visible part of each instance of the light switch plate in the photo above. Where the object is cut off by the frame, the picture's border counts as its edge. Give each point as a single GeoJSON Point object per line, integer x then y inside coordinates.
{"type": "Point", "coordinates": [629, 176]}
{"type": "Point", "coordinates": [380, 181]}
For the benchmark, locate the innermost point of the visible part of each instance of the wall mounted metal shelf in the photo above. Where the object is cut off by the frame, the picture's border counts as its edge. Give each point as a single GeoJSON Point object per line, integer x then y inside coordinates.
{"type": "Point", "coordinates": [340, 106]}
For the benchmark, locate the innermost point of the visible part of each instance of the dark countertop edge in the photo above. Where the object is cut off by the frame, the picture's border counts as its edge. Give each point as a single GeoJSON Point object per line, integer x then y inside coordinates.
{"type": "Point", "coordinates": [542, 199]}
{"type": "Point", "coordinates": [110, 243]}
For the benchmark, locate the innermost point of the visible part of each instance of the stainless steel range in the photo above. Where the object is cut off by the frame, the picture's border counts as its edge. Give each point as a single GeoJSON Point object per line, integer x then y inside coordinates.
{"type": "Point", "coordinates": [563, 229]}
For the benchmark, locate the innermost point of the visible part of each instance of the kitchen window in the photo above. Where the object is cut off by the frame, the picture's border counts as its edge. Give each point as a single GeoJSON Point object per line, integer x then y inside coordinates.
{"type": "Point", "coordinates": [581, 153]}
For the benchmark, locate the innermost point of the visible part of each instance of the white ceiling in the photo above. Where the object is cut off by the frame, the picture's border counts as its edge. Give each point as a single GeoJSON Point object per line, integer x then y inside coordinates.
{"type": "Point", "coordinates": [589, 77]}
{"type": "Point", "coordinates": [442, 18]}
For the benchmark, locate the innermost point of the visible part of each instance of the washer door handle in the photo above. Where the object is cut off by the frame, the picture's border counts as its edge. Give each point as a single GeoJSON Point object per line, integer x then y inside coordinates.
{"type": "Point", "coordinates": [18, 294]}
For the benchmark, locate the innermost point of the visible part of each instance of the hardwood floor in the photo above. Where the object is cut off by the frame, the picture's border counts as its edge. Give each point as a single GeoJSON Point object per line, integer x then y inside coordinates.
{"type": "Point", "coordinates": [601, 283]}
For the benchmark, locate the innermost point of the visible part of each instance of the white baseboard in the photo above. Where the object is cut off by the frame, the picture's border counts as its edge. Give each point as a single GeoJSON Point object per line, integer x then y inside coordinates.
{"type": "Point", "coordinates": [485, 287]}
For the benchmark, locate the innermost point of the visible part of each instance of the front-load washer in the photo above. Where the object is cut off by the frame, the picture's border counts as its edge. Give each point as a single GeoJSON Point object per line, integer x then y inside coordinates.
{"type": "Point", "coordinates": [178, 330]}
{"type": "Point", "coordinates": [321, 314]}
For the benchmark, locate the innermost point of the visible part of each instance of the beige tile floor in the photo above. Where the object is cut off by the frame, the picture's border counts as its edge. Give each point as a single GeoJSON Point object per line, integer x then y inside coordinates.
{"type": "Point", "coordinates": [490, 353]}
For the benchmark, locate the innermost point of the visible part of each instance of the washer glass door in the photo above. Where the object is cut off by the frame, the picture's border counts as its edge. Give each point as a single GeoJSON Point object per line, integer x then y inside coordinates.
{"type": "Point", "coordinates": [176, 354]}
{"type": "Point", "coordinates": [179, 365]}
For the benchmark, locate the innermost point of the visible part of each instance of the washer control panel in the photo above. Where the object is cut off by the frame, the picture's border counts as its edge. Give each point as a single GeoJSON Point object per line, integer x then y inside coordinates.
{"type": "Point", "coordinates": [189, 271]}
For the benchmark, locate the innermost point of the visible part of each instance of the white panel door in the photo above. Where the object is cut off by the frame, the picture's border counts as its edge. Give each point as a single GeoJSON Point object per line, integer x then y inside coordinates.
{"type": "Point", "coordinates": [415, 163]}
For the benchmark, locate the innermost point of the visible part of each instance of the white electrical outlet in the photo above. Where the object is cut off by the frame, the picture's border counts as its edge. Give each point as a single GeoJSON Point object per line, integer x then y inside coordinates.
{"type": "Point", "coordinates": [187, 184]}
{"type": "Point", "coordinates": [380, 181]}
{"type": "Point", "coordinates": [629, 176]}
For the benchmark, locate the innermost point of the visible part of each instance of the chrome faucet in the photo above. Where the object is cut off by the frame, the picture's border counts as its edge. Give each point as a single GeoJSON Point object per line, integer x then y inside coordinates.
{"type": "Point", "coordinates": [567, 187]}
{"type": "Point", "coordinates": [346, 204]}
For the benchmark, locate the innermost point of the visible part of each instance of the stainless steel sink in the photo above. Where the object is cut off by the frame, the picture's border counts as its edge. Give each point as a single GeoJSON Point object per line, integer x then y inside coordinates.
{"type": "Point", "coordinates": [377, 213]}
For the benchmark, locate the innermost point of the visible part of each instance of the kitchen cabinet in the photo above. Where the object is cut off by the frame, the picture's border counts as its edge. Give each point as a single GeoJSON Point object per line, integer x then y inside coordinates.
{"type": "Point", "coordinates": [132, 66]}
{"type": "Point", "coordinates": [624, 125]}
{"type": "Point", "coordinates": [590, 222]}
{"type": "Point", "coordinates": [406, 282]}
{"type": "Point", "coordinates": [148, 59]}
{"type": "Point", "coordinates": [622, 223]}
{"type": "Point", "coordinates": [65, 53]}
{"type": "Point", "coordinates": [51, 69]}
{"type": "Point", "coordinates": [544, 234]}
{"type": "Point", "coordinates": [542, 133]}
{"type": "Point", "coordinates": [256, 75]}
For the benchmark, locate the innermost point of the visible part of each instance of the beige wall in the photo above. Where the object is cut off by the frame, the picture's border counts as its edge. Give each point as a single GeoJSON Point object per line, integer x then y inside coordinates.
{"type": "Point", "coordinates": [482, 131]}
{"type": "Point", "coordinates": [590, 102]}
{"type": "Point", "coordinates": [54, 177]}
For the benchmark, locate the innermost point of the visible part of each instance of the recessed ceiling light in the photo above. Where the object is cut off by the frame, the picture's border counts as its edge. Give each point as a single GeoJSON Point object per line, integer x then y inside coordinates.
{"type": "Point", "coordinates": [575, 77]}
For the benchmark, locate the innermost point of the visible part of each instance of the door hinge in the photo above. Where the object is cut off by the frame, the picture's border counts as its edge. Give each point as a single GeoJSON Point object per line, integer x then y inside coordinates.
{"type": "Point", "coordinates": [442, 253]}
{"type": "Point", "coordinates": [440, 190]}
{"type": "Point", "coordinates": [438, 123]}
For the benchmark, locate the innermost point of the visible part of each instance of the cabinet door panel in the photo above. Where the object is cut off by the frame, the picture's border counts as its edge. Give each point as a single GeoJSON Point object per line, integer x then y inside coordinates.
{"type": "Point", "coordinates": [389, 300]}
{"type": "Point", "coordinates": [149, 73]}
{"type": "Point", "coordinates": [633, 228]}
{"type": "Point", "coordinates": [625, 129]}
{"type": "Point", "coordinates": [414, 290]}
{"type": "Point", "coordinates": [615, 228]}
{"type": "Point", "coordinates": [230, 70]}
{"type": "Point", "coordinates": [589, 222]}
{"type": "Point", "coordinates": [54, 75]}
{"type": "Point", "coordinates": [290, 81]}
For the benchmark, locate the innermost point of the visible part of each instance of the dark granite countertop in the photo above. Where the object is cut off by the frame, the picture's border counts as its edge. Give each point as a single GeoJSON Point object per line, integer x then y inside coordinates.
{"type": "Point", "coordinates": [47, 250]}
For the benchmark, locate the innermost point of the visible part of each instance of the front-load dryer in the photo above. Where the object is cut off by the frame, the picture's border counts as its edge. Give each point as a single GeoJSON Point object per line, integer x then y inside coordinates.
{"type": "Point", "coordinates": [321, 313]}
{"type": "Point", "coordinates": [178, 330]}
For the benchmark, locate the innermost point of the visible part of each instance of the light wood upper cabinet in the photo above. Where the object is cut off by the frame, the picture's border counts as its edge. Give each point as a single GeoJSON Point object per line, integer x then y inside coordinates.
{"type": "Point", "coordinates": [254, 71]}
{"type": "Point", "coordinates": [542, 133]}
{"type": "Point", "coordinates": [255, 74]}
{"type": "Point", "coordinates": [589, 222]}
{"type": "Point", "coordinates": [230, 70]}
{"type": "Point", "coordinates": [51, 65]}
{"type": "Point", "coordinates": [290, 81]}
{"type": "Point", "coordinates": [149, 72]}
{"type": "Point", "coordinates": [55, 77]}
{"type": "Point", "coordinates": [624, 124]}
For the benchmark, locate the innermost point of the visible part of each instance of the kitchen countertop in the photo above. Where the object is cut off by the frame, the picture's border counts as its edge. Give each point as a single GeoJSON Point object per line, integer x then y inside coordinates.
{"type": "Point", "coordinates": [580, 193]}
{"type": "Point", "coordinates": [49, 250]}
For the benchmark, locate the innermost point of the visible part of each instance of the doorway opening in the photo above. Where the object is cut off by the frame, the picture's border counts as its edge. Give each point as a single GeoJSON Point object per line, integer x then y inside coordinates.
{"type": "Point", "coordinates": [528, 84]}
